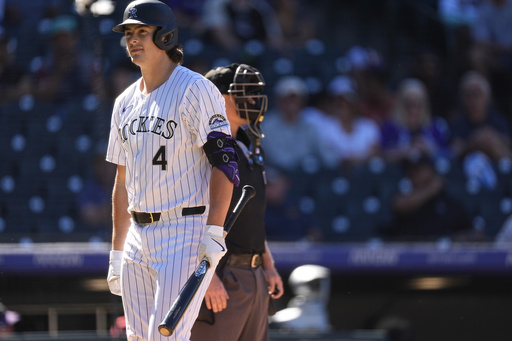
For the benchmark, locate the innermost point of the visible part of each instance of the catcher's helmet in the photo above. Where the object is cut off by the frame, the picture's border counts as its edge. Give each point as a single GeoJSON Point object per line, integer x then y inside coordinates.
{"type": "Point", "coordinates": [155, 13]}
{"type": "Point", "coordinates": [244, 82]}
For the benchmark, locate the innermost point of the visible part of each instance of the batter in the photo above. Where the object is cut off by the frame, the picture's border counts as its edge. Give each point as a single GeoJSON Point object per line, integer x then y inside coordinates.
{"type": "Point", "coordinates": [170, 197]}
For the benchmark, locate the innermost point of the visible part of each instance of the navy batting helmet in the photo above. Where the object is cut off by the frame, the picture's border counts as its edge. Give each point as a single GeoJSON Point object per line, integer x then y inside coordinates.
{"type": "Point", "coordinates": [154, 13]}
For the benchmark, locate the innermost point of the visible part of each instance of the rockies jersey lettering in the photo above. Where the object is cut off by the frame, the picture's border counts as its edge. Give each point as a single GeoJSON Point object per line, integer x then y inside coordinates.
{"type": "Point", "coordinates": [156, 125]}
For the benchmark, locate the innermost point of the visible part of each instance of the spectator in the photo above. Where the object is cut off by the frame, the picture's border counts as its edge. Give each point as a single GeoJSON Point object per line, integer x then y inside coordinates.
{"type": "Point", "coordinates": [368, 71]}
{"type": "Point", "coordinates": [66, 71]}
{"type": "Point", "coordinates": [123, 74]}
{"type": "Point", "coordinates": [413, 130]}
{"type": "Point", "coordinates": [231, 23]}
{"type": "Point", "coordinates": [120, 77]}
{"type": "Point", "coordinates": [350, 139]}
{"type": "Point", "coordinates": [457, 17]}
{"type": "Point", "coordinates": [188, 13]}
{"type": "Point", "coordinates": [479, 126]}
{"type": "Point", "coordinates": [491, 52]}
{"type": "Point", "coordinates": [94, 201]}
{"type": "Point", "coordinates": [291, 138]}
{"type": "Point", "coordinates": [14, 83]}
{"type": "Point", "coordinates": [30, 12]}
{"type": "Point", "coordinates": [284, 220]}
{"type": "Point", "coordinates": [428, 68]}
{"type": "Point", "coordinates": [425, 211]}
{"type": "Point", "coordinates": [481, 134]}
{"type": "Point", "coordinates": [297, 25]}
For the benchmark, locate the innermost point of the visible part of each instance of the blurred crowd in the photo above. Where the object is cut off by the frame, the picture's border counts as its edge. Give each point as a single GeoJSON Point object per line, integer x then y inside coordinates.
{"type": "Point", "coordinates": [388, 120]}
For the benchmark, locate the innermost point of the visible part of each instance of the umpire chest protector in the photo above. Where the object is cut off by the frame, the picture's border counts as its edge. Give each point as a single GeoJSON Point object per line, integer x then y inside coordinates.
{"type": "Point", "coordinates": [248, 233]}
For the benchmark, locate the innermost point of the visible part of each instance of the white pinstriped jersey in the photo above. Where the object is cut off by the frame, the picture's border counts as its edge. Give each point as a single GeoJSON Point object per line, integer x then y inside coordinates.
{"type": "Point", "coordinates": [159, 138]}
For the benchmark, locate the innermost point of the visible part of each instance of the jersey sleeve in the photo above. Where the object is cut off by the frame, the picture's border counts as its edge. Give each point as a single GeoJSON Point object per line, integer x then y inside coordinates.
{"type": "Point", "coordinates": [115, 152]}
{"type": "Point", "coordinates": [205, 111]}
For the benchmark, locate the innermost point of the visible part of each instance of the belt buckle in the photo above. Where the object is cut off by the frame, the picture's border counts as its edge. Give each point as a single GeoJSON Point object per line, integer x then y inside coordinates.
{"type": "Point", "coordinates": [152, 219]}
{"type": "Point", "coordinates": [255, 261]}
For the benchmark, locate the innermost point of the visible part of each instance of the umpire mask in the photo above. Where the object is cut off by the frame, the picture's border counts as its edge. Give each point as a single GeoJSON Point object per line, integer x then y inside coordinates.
{"type": "Point", "coordinates": [246, 84]}
{"type": "Point", "coordinates": [247, 87]}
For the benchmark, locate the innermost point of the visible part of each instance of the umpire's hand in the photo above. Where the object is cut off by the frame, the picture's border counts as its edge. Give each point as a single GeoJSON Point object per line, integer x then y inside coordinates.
{"type": "Point", "coordinates": [213, 246]}
{"type": "Point", "coordinates": [216, 296]}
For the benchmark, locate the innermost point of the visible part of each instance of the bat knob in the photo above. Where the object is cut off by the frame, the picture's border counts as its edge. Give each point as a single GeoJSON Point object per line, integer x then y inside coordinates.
{"type": "Point", "coordinates": [251, 192]}
{"type": "Point", "coordinates": [164, 331]}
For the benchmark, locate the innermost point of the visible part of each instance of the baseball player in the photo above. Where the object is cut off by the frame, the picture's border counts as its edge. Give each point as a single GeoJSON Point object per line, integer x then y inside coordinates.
{"type": "Point", "coordinates": [236, 304]}
{"type": "Point", "coordinates": [176, 167]}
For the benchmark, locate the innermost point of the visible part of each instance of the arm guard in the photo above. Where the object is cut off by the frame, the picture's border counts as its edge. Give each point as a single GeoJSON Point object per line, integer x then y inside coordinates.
{"type": "Point", "coordinates": [220, 151]}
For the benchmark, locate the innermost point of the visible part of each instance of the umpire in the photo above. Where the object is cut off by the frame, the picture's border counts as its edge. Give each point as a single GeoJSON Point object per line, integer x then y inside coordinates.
{"type": "Point", "coordinates": [239, 298]}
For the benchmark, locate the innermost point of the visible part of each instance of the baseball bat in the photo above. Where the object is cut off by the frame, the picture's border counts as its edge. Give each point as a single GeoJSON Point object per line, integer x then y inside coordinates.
{"type": "Point", "coordinates": [187, 293]}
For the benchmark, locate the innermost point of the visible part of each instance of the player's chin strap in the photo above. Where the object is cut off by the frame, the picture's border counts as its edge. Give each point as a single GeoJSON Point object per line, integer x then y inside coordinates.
{"type": "Point", "coordinates": [219, 148]}
{"type": "Point", "coordinates": [251, 145]}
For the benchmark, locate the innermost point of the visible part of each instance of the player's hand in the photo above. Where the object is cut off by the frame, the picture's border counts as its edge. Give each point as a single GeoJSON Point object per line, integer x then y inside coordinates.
{"type": "Point", "coordinates": [114, 272]}
{"type": "Point", "coordinates": [213, 246]}
{"type": "Point", "coordinates": [216, 297]}
{"type": "Point", "coordinates": [275, 283]}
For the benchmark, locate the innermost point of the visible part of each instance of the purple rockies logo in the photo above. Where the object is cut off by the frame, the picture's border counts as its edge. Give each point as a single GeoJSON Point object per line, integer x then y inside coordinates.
{"type": "Point", "coordinates": [133, 13]}
{"type": "Point", "coordinates": [217, 121]}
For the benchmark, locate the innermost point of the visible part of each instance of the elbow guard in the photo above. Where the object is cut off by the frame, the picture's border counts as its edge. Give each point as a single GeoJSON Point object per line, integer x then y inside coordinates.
{"type": "Point", "coordinates": [220, 151]}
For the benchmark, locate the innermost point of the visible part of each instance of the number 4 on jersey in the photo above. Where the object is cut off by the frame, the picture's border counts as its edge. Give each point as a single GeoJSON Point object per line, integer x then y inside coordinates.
{"type": "Point", "coordinates": [159, 158]}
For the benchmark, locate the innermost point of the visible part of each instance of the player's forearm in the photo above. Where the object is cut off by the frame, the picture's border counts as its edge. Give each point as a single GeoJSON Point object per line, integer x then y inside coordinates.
{"type": "Point", "coordinates": [221, 190]}
{"type": "Point", "coordinates": [120, 215]}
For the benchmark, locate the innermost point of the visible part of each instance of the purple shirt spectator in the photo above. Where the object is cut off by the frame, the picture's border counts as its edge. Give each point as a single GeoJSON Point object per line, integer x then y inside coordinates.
{"type": "Point", "coordinates": [436, 135]}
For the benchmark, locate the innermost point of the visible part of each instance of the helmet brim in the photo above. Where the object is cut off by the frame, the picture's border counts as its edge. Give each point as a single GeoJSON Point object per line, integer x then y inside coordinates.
{"type": "Point", "coordinates": [120, 28]}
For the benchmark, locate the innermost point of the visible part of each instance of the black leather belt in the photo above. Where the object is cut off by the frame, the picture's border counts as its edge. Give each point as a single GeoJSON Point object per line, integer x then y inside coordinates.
{"type": "Point", "coordinates": [145, 218]}
{"type": "Point", "coordinates": [149, 218]}
{"type": "Point", "coordinates": [248, 260]}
